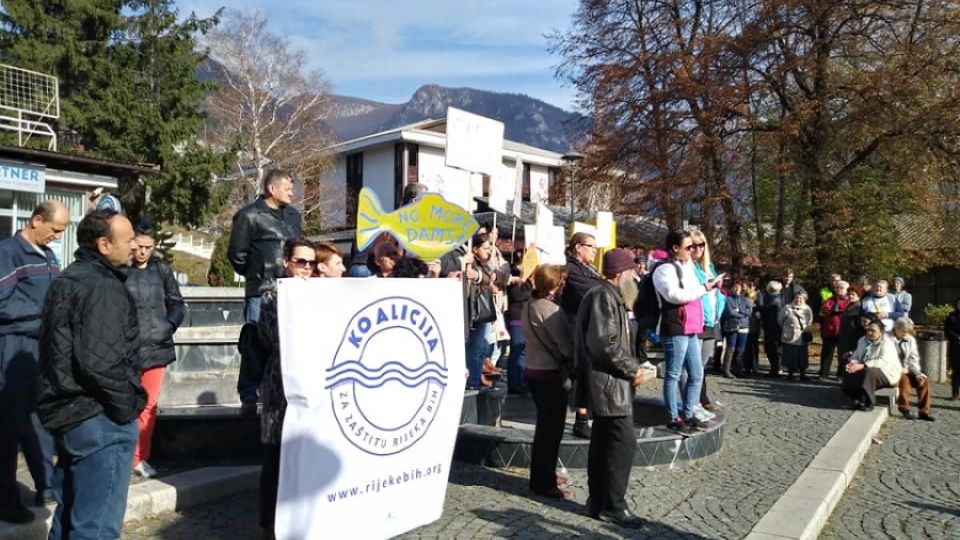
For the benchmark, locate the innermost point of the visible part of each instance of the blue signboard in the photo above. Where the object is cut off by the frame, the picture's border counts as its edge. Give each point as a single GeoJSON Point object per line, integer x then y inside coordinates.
{"type": "Point", "coordinates": [19, 176]}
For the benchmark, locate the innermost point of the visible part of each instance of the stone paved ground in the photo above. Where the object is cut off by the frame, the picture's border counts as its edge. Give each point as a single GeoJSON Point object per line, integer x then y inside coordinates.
{"type": "Point", "coordinates": [909, 486]}
{"type": "Point", "coordinates": [774, 429]}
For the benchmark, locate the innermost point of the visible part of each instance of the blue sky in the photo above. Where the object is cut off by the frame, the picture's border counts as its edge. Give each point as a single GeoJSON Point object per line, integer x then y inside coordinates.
{"type": "Point", "coordinates": [385, 50]}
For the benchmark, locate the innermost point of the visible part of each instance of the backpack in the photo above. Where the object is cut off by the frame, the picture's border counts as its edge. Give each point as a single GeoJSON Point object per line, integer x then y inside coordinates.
{"type": "Point", "coordinates": [646, 309]}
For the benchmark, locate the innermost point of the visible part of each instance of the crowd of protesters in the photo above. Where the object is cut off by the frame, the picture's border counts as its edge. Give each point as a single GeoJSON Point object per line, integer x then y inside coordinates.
{"type": "Point", "coordinates": [568, 335]}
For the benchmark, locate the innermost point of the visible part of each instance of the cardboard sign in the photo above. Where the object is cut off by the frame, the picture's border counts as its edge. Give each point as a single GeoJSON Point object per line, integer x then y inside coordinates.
{"type": "Point", "coordinates": [429, 228]}
{"type": "Point", "coordinates": [604, 234]}
{"type": "Point", "coordinates": [474, 142]}
{"type": "Point", "coordinates": [373, 371]}
{"type": "Point", "coordinates": [530, 261]}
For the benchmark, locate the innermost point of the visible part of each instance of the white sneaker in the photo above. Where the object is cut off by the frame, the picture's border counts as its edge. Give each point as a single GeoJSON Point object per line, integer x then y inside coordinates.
{"type": "Point", "coordinates": [702, 414]}
{"type": "Point", "coordinates": [145, 470]}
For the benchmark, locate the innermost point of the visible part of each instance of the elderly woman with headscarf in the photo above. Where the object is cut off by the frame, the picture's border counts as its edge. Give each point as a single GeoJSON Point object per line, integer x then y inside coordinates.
{"type": "Point", "coordinates": [875, 364]}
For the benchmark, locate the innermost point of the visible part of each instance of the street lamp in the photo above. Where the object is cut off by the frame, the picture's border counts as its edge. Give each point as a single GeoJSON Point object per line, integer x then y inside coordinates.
{"type": "Point", "coordinates": [572, 160]}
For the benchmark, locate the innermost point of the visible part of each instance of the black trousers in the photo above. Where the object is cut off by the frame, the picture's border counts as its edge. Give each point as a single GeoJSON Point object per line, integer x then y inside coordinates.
{"type": "Point", "coordinates": [826, 355]}
{"type": "Point", "coordinates": [771, 346]}
{"type": "Point", "coordinates": [751, 354]}
{"type": "Point", "coordinates": [954, 360]}
{"type": "Point", "coordinates": [551, 401]}
{"type": "Point", "coordinates": [863, 384]}
{"type": "Point", "coordinates": [612, 444]}
{"type": "Point", "coordinates": [269, 484]}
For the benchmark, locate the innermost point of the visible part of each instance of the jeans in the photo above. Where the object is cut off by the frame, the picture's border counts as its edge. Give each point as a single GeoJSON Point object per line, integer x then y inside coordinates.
{"type": "Point", "coordinates": [358, 270]}
{"type": "Point", "coordinates": [20, 428]}
{"type": "Point", "coordinates": [247, 388]}
{"type": "Point", "coordinates": [516, 382]}
{"type": "Point", "coordinates": [478, 348]}
{"type": "Point", "coordinates": [93, 476]}
{"type": "Point", "coordinates": [681, 353]}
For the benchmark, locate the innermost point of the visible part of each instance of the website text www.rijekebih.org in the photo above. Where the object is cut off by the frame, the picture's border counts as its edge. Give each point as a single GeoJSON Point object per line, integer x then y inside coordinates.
{"type": "Point", "coordinates": [385, 482]}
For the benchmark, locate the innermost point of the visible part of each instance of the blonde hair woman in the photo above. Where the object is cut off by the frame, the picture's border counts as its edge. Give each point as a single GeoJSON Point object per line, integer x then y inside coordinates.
{"type": "Point", "coordinates": [713, 303]}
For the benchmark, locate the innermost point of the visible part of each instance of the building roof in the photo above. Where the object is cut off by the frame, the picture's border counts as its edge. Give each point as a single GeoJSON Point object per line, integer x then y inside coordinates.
{"type": "Point", "coordinates": [58, 160]}
{"type": "Point", "coordinates": [433, 133]}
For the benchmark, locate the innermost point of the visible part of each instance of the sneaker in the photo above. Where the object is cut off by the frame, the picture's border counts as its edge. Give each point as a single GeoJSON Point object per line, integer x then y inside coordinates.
{"type": "Point", "coordinates": [145, 470]}
{"type": "Point", "coordinates": [702, 414]}
{"type": "Point", "coordinates": [679, 426]}
{"type": "Point", "coordinates": [695, 424]}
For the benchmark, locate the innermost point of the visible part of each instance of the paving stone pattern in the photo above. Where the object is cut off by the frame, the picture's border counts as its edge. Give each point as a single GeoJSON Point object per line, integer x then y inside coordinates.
{"type": "Point", "coordinates": [774, 429]}
{"type": "Point", "coordinates": [909, 486]}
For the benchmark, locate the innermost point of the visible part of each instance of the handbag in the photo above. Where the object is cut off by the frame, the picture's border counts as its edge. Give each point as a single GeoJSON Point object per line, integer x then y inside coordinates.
{"type": "Point", "coordinates": [483, 307]}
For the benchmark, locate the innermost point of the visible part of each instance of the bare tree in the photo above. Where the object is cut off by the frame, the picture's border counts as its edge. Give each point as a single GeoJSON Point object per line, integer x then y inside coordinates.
{"type": "Point", "coordinates": [270, 104]}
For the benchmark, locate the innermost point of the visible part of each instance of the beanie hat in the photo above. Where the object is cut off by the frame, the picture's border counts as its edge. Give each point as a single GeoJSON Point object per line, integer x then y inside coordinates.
{"type": "Point", "coordinates": [617, 261]}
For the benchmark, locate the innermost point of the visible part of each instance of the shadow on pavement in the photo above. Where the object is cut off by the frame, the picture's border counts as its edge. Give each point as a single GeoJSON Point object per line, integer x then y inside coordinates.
{"type": "Point", "coordinates": [814, 393]}
{"type": "Point", "coordinates": [525, 524]}
{"type": "Point", "coordinates": [940, 509]}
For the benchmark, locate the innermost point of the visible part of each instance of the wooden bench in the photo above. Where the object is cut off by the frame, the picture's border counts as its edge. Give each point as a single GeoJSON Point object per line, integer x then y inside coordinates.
{"type": "Point", "coordinates": [891, 394]}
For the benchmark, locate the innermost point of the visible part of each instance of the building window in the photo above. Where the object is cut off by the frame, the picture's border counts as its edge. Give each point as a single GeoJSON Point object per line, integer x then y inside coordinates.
{"type": "Point", "coordinates": [354, 185]}
{"type": "Point", "coordinates": [16, 207]}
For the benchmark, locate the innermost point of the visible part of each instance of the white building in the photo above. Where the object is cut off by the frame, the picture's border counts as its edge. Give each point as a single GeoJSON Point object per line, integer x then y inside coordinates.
{"type": "Point", "coordinates": [386, 162]}
{"type": "Point", "coordinates": [30, 176]}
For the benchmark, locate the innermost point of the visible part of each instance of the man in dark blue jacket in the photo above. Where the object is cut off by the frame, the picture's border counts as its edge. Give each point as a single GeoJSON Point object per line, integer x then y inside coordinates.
{"type": "Point", "coordinates": [90, 391]}
{"type": "Point", "coordinates": [27, 268]}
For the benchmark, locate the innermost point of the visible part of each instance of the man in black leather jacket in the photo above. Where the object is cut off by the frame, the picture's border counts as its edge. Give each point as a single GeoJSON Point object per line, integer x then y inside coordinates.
{"type": "Point", "coordinates": [90, 393]}
{"type": "Point", "coordinates": [604, 352]}
{"type": "Point", "coordinates": [257, 237]}
{"type": "Point", "coordinates": [256, 253]}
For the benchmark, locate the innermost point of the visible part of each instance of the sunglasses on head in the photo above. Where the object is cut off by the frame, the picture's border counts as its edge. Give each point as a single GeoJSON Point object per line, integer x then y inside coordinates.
{"type": "Point", "coordinates": [303, 263]}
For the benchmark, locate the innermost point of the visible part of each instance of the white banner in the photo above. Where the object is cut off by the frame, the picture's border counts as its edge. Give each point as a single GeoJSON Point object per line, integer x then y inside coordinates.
{"type": "Point", "coordinates": [474, 142]}
{"type": "Point", "coordinates": [373, 371]}
{"type": "Point", "coordinates": [604, 234]}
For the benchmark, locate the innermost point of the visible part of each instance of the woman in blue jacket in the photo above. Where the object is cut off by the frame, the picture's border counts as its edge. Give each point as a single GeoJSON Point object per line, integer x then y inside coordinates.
{"type": "Point", "coordinates": [735, 325]}
{"type": "Point", "coordinates": [713, 303]}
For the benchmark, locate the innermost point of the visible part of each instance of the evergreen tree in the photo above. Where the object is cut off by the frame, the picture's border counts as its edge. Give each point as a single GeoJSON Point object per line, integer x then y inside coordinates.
{"type": "Point", "coordinates": [129, 91]}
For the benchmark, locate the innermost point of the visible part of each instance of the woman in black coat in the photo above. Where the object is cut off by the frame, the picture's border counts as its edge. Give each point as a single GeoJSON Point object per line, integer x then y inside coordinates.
{"type": "Point", "coordinates": [153, 287]}
{"type": "Point", "coordinates": [772, 332]}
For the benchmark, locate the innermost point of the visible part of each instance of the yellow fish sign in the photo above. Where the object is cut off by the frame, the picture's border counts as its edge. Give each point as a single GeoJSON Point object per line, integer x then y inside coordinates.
{"type": "Point", "coordinates": [430, 228]}
{"type": "Point", "coordinates": [530, 261]}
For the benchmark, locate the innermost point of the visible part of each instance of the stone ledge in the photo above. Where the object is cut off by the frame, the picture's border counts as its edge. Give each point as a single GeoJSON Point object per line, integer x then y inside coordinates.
{"type": "Point", "coordinates": [802, 512]}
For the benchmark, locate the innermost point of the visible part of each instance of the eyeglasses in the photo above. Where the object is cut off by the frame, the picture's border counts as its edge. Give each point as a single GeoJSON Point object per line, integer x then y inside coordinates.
{"type": "Point", "coordinates": [697, 246]}
{"type": "Point", "coordinates": [303, 263]}
{"type": "Point", "coordinates": [690, 247]}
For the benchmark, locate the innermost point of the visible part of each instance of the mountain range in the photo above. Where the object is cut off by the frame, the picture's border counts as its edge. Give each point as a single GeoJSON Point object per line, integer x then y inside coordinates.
{"type": "Point", "coordinates": [526, 120]}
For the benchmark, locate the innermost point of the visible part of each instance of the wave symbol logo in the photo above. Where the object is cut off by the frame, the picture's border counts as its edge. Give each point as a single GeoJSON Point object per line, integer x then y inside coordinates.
{"type": "Point", "coordinates": [388, 376]}
{"type": "Point", "coordinates": [354, 371]}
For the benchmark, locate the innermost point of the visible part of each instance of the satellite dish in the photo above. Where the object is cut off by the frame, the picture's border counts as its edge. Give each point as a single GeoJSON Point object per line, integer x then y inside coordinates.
{"type": "Point", "coordinates": [109, 202]}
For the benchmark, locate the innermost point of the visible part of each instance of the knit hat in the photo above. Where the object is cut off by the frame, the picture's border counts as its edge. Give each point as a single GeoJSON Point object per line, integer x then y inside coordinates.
{"type": "Point", "coordinates": [617, 261]}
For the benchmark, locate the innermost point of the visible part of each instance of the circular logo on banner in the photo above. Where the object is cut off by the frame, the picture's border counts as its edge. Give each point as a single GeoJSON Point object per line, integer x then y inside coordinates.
{"type": "Point", "coordinates": [388, 376]}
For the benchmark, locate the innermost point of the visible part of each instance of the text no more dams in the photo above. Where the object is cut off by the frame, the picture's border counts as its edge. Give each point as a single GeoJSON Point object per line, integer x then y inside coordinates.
{"type": "Point", "coordinates": [452, 231]}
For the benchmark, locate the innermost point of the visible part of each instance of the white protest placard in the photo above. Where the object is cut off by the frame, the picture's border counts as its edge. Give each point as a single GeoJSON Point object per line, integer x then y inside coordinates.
{"type": "Point", "coordinates": [605, 230]}
{"type": "Point", "coordinates": [544, 221]}
{"type": "Point", "coordinates": [501, 189]}
{"type": "Point", "coordinates": [579, 226]}
{"type": "Point", "coordinates": [553, 246]}
{"type": "Point", "coordinates": [453, 184]}
{"type": "Point", "coordinates": [530, 235]}
{"type": "Point", "coordinates": [373, 371]}
{"type": "Point", "coordinates": [474, 142]}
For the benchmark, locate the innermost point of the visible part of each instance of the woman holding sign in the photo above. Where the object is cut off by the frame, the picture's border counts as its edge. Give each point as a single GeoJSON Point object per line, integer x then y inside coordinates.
{"type": "Point", "coordinates": [299, 260]}
{"type": "Point", "coordinates": [481, 309]}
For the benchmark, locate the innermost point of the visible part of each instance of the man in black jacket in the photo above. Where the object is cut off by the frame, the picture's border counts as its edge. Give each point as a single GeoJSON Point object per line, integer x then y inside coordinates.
{"type": "Point", "coordinates": [604, 353]}
{"type": "Point", "coordinates": [90, 393]}
{"type": "Point", "coordinates": [255, 251]}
